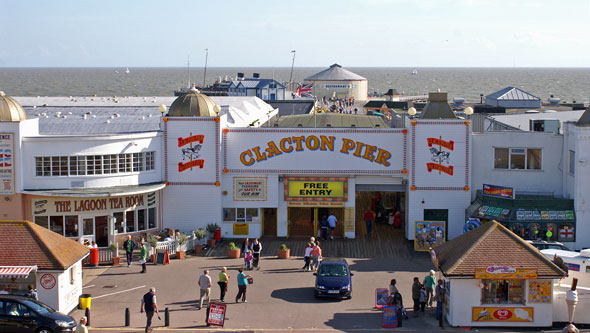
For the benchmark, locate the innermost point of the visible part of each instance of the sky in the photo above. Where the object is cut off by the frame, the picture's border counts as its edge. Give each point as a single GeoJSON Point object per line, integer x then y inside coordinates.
{"type": "Point", "coordinates": [256, 33]}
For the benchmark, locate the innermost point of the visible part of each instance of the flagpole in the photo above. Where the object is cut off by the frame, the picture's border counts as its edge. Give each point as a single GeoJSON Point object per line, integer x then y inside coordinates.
{"type": "Point", "coordinates": [205, 73]}
{"type": "Point", "coordinates": [292, 65]}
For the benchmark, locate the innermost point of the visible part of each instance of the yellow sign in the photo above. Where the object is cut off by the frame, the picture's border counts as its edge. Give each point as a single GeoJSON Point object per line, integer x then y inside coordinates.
{"type": "Point", "coordinates": [505, 273]}
{"type": "Point", "coordinates": [349, 219]}
{"type": "Point", "coordinates": [539, 291]}
{"type": "Point", "coordinates": [314, 189]}
{"type": "Point", "coordinates": [502, 314]}
{"type": "Point", "coordinates": [241, 229]}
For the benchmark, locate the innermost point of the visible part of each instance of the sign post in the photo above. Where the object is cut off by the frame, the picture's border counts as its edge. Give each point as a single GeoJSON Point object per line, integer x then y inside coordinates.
{"type": "Point", "coordinates": [216, 314]}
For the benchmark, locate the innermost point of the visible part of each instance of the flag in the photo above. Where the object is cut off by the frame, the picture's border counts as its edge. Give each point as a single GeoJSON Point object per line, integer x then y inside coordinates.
{"type": "Point", "coordinates": [304, 90]}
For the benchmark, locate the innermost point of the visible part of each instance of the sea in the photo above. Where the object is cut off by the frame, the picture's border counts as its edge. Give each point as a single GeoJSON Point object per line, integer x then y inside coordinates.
{"type": "Point", "coordinates": [568, 84]}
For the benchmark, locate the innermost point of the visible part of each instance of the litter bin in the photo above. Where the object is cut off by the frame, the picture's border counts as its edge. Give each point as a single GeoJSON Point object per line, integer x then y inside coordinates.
{"type": "Point", "coordinates": [94, 257]}
{"type": "Point", "coordinates": [85, 300]}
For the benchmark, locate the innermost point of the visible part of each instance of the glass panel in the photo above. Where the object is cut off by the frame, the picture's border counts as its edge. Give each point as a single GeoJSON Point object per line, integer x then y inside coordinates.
{"type": "Point", "coordinates": [137, 162]}
{"type": "Point", "coordinates": [98, 165]}
{"type": "Point", "coordinates": [106, 159]}
{"type": "Point", "coordinates": [515, 291]}
{"type": "Point", "coordinates": [81, 165]}
{"type": "Point", "coordinates": [46, 166]}
{"type": "Point", "coordinates": [72, 226]}
{"type": "Point", "coordinates": [141, 219]}
{"type": "Point", "coordinates": [533, 158]}
{"type": "Point", "coordinates": [42, 221]}
{"type": "Point", "coordinates": [63, 161]}
{"type": "Point", "coordinates": [152, 218]}
{"type": "Point", "coordinates": [501, 158]}
{"type": "Point", "coordinates": [55, 166]}
{"type": "Point", "coordinates": [572, 168]}
{"type": "Point", "coordinates": [517, 161]}
{"type": "Point", "coordinates": [119, 222]}
{"type": "Point", "coordinates": [90, 165]}
{"type": "Point", "coordinates": [73, 166]}
{"type": "Point", "coordinates": [241, 214]}
{"type": "Point", "coordinates": [229, 214]}
{"type": "Point", "coordinates": [88, 225]}
{"type": "Point", "coordinates": [149, 160]}
{"type": "Point", "coordinates": [130, 221]}
{"type": "Point", "coordinates": [56, 223]}
{"type": "Point", "coordinates": [38, 166]}
{"type": "Point", "coordinates": [250, 213]}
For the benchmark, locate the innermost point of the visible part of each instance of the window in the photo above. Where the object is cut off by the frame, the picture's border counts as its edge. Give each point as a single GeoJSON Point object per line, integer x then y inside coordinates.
{"type": "Point", "coordinates": [502, 292]}
{"type": "Point", "coordinates": [71, 226]}
{"type": "Point", "coordinates": [229, 214]}
{"type": "Point", "coordinates": [47, 166]}
{"type": "Point", "coordinates": [240, 214]}
{"type": "Point", "coordinates": [572, 166]}
{"type": "Point", "coordinates": [42, 221]}
{"type": "Point", "coordinates": [152, 218]}
{"type": "Point", "coordinates": [130, 220]}
{"type": "Point", "coordinates": [38, 166]}
{"type": "Point", "coordinates": [517, 158]}
{"type": "Point", "coordinates": [137, 162]}
{"type": "Point", "coordinates": [77, 165]}
{"type": "Point", "coordinates": [149, 160]}
{"type": "Point", "coordinates": [110, 164]}
{"type": "Point", "coordinates": [56, 224]}
{"type": "Point", "coordinates": [73, 275]}
{"type": "Point", "coordinates": [119, 222]}
{"type": "Point", "coordinates": [251, 214]}
{"type": "Point", "coordinates": [140, 219]}
{"type": "Point", "coordinates": [124, 163]}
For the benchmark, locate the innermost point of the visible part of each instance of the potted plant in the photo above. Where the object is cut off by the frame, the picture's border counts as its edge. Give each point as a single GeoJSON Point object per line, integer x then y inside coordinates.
{"type": "Point", "coordinates": [153, 242]}
{"type": "Point", "coordinates": [234, 251]}
{"type": "Point", "coordinates": [283, 252]}
{"type": "Point", "coordinates": [182, 240]}
{"type": "Point", "coordinates": [211, 229]}
{"type": "Point", "coordinates": [116, 259]}
{"type": "Point", "coordinates": [200, 234]}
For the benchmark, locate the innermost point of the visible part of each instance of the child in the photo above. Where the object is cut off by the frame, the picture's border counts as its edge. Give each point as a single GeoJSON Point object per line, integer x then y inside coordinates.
{"type": "Point", "coordinates": [248, 259]}
{"type": "Point", "coordinates": [422, 298]}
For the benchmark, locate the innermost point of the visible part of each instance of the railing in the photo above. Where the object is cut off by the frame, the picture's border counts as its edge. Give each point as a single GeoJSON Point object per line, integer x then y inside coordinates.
{"type": "Point", "coordinates": [171, 246]}
{"type": "Point", "coordinates": [105, 256]}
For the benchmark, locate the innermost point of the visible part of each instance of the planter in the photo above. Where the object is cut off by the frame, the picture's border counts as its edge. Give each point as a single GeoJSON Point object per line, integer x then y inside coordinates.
{"type": "Point", "coordinates": [211, 243]}
{"type": "Point", "coordinates": [284, 254]}
{"type": "Point", "coordinates": [234, 254]}
{"type": "Point", "coordinates": [116, 261]}
{"type": "Point", "coordinates": [153, 256]}
{"type": "Point", "coordinates": [198, 249]}
{"type": "Point", "coordinates": [180, 254]}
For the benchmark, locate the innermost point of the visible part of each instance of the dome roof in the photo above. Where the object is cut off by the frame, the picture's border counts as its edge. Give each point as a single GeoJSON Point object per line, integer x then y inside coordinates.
{"type": "Point", "coordinates": [335, 73]}
{"type": "Point", "coordinates": [10, 110]}
{"type": "Point", "coordinates": [193, 104]}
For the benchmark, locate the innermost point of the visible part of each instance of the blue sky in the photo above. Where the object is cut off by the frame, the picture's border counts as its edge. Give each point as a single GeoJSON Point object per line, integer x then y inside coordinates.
{"type": "Point", "coordinates": [354, 33]}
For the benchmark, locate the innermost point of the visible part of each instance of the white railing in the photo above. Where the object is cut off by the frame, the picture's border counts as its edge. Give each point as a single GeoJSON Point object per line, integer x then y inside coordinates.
{"type": "Point", "coordinates": [105, 256]}
{"type": "Point", "coordinates": [171, 246]}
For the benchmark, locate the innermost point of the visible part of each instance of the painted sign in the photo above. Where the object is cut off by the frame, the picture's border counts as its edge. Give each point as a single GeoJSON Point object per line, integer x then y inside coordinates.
{"type": "Point", "coordinates": [505, 273]}
{"type": "Point", "coordinates": [381, 296]}
{"type": "Point", "coordinates": [47, 281]}
{"type": "Point", "coordinates": [429, 234]}
{"type": "Point", "coordinates": [250, 189]}
{"type": "Point", "coordinates": [191, 153]}
{"type": "Point", "coordinates": [440, 151]}
{"type": "Point", "coordinates": [389, 317]}
{"type": "Point", "coordinates": [6, 164]}
{"type": "Point", "coordinates": [335, 151]}
{"type": "Point", "coordinates": [59, 206]}
{"type": "Point", "coordinates": [241, 229]}
{"type": "Point", "coordinates": [498, 191]}
{"type": "Point", "coordinates": [316, 189]}
{"type": "Point", "coordinates": [539, 291]}
{"type": "Point", "coordinates": [524, 314]}
{"type": "Point", "coordinates": [216, 314]}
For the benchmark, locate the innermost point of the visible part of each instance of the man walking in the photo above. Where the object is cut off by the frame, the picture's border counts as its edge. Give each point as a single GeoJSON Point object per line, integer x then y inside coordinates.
{"type": "Point", "coordinates": [332, 222]}
{"type": "Point", "coordinates": [256, 249]}
{"type": "Point", "coordinates": [205, 285]}
{"type": "Point", "coordinates": [369, 217]}
{"type": "Point", "coordinates": [149, 303]}
{"type": "Point", "coordinates": [416, 295]}
{"type": "Point", "coordinates": [129, 246]}
{"type": "Point", "coordinates": [430, 283]}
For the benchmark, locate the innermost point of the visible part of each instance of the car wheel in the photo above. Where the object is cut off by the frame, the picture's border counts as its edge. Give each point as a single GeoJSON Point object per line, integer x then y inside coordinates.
{"type": "Point", "coordinates": [349, 297]}
{"type": "Point", "coordinates": [44, 330]}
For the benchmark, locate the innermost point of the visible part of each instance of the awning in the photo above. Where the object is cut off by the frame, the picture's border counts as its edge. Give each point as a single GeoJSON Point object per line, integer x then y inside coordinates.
{"type": "Point", "coordinates": [16, 271]}
{"type": "Point", "coordinates": [112, 191]}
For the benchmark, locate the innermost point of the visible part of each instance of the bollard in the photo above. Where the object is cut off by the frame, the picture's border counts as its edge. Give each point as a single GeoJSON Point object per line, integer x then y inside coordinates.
{"type": "Point", "coordinates": [87, 314]}
{"type": "Point", "coordinates": [127, 317]}
{"type": "Point", "coordinates": [166, 318]}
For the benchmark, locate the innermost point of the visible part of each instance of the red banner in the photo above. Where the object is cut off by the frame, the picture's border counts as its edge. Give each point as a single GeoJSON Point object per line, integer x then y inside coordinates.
{"type": "Point", "coordinates": [440, 142]}
{"type": "Point", "coordinates": [435, 166]}
{"type": "Point", "coordinates": [191, 164]}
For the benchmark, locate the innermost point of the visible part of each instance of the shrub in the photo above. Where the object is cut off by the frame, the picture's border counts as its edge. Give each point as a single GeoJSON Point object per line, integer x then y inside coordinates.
{"type": "Point", "coordinates": [182, 239]}
{"type": "Point", "coordinates": [212, 227]}
{"type": "Point", "coordinates": [232, 246]}
{"type": "Point", "coordinates": [152, 240]}
{"type": "Point", "coordinates": [200, 233]}
{"type": "Point", "coordinates": [283, 247]}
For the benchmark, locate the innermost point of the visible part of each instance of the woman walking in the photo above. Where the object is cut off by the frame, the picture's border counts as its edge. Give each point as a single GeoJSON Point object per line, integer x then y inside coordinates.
{"type": "Point", "coordinates": [142, 256]}
{"type": "Point", "coordinates": [223, 280]}
{"type": "Point", "coordinates": [307, 257]}
{"type": "Point", "coordinates": [242, 286]}
{"type": "Point", "coordinates": [256, 249]}
{"type": "Point", "coordinates": [316, 254]}
{"type": "Point", "coordinates": [245, 246]}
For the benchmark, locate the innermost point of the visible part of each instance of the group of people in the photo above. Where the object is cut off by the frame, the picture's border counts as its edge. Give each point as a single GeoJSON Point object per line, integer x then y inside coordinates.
{"type": "Point", "coordinates": [251, 253]}
{"type": "Point", "coordinates": [129, 246]}
{"type": "Point", "coordinates": [328, 225]}
{"type": "Point", "coordinates": [205, 284]}
{"type": "Point", "coordinates": [427, 292]}
{"type": "Point", "coordinates": [313, 255]}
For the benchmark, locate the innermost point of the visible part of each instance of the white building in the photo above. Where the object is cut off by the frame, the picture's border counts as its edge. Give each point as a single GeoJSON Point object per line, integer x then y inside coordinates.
{"type": "Point", "coordinates": [337, 82]}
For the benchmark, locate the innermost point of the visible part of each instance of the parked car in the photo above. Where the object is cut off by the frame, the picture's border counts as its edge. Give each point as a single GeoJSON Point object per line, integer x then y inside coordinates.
{"type": "Point", "coordinates": [548, 245]}
{"type": "Point", "coordinates": [333, 279]}
{"type": "Point", "coordinates": [24, 314]}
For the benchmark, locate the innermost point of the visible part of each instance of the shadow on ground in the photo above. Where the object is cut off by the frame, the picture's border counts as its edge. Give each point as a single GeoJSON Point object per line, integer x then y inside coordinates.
{"type": "Point", "coordinates": [299, 295]}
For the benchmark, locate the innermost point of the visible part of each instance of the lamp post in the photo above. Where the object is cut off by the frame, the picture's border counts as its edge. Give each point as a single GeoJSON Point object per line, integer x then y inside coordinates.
{"type": "Point", "coordinates": [412, 112]}
{"type": "Point", "coordinates": [162, 109]}
{"type": "Point", "coordinates": [468, 111]}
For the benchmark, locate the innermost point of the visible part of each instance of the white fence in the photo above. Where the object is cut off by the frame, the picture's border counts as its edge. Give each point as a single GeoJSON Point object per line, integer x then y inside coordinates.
{"type": "Point", "coordinates": [105, 256]}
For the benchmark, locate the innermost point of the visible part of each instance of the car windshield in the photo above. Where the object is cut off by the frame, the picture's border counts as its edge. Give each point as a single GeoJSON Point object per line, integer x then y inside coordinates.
{"type": "Point", "coordinates": [38, 307]}
{"type": "Point", "coordinates": [332, 270]}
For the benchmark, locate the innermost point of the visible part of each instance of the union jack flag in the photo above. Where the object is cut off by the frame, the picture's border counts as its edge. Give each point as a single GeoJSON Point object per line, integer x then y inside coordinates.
{"type": "Point", "coordinates": [304, 90]}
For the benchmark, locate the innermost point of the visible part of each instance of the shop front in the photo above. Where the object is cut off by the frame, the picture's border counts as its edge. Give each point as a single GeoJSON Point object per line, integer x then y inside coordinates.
{"type": "Point", "coordinates": [510, 285]}
{"type": "Point", "coordinates": [89, 215]}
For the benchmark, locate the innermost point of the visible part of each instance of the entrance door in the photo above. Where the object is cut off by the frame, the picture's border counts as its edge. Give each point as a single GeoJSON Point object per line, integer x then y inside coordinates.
{"type": "Point", "coordinates": [102, 231]}
{"type": "Point", "coordinates": [87, 228]}
{"type": "Point", "coordinates": [269, 221]}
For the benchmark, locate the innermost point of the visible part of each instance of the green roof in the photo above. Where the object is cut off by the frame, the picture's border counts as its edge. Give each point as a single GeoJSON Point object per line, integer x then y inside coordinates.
{"type": "Point", "coordinates": [332, 120]}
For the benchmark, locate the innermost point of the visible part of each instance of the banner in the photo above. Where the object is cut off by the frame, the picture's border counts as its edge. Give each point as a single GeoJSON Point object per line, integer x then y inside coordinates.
{"type": "Point", "coordinates": [428, 234]}
{"type": "Point", "coordinates": [6, 164]}
{"type": "Point", "coordinates": [500, 272]}
{"type": "Point", "coordinates": [502, 314]}
{"type": "Point", "coordinates": [316, 189]}
{"type": "Point", "coordinates": [498, 191]}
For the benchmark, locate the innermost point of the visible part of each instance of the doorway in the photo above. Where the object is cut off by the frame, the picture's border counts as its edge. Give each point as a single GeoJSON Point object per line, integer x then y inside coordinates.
{"type": "Point", "coordinates": [269, 222]}
{"type": "Point", "coordinates": [305, 221]}
{"type": "Point", "coordinates": [389, 209]}
{"type": "Point", "coordinates": [87, 228]}
{"type": "Point", "coordinates": [102, 231]}
{"type": "Point", "coordinates": [436, 215]}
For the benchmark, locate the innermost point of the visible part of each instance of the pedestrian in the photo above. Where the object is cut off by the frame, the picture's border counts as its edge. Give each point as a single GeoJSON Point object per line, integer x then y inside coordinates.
{"type": "Point", "coordinates": [369, 217]}
{"type": "Point", "coordinates": [223, 280]}
{"type": "Point", "coordinates": [81, 327]}
{"type": "Point", "coordinates": [93, 245]}
{"type": "Point", "coordinates": [143, 256]}
{"type": "Point", "coordinates": [439, 298]}
{"type": "Point", "coordinates": [307, 257]}
{"type": "Point", "coordinates": [205, 285]}
{"type": "Point", "coordinates": [332, 221]}
{"type": "Point", "coordinates": [429, 284]}
{"type": "Point", "coordinates": [32, 293]}
{"type": "Point", "coordinates": [312, 240]}
{"type": "Point", "coordinates": [325, 225]}
{"type": "Point", "coordinates": [242, 285]}
{"type": "Point", "coordinates": [245, 246]}
{"type": "Point", "coordinates": [149, 303]}
{"type": "Point", "coordinates": [256, 248]}
{"type": "Point", "coordinates": [129, 246]}
{"type": "Point", "coordinates": [570, 329]}
{"type": "Point", "coordinates": [397, 219]}
{"type": "Point", "coordinates": [416, 295]}
{"type": "Point", "coordinates": [316, 255]}
{"type": "Point", "coordinates": [392, 288]}
{"type": "Point", "coordinates": [248, 259]}
{"type": "Point", "coordinates": [423, 298]}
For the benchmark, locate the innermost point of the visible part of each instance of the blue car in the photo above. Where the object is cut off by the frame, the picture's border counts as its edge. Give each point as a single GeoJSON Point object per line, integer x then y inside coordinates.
{"type": "Point", "coordinates": [333, 279]}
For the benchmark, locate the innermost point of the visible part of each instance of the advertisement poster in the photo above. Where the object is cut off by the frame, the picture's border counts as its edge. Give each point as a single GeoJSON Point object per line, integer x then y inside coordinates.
{"type": "Point", "coordinates": [429, 234]}
{"type": "Point", "coordinates": [389, 317]}
{"type": "Point", "coordinates": [216, 314]}
{"type": "Point", "coordinates": [502, 314]}
{"type": "Point", "coordinates": [505, 273]}
{"type": "Point", "coordinates": [498, 191]}
{"type": "Point", "coordinates": [381, 296]}
{"type": "Point", "coordinates": [241, 229]}
{"type": "Point", "coordinates": [539, 291]}
{"type": "Point", "coordinates": [6, 164]}
{"type": "Point", "coordinates": [250, 189]}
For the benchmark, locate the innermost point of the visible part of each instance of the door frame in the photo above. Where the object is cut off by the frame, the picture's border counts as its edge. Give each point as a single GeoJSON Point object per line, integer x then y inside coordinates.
{"type": "Point", "coordinates": [81, 235]}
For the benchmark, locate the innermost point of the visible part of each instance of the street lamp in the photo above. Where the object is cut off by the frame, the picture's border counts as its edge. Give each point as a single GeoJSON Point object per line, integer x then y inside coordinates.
{"type": "Point", "coordinates": [162, 109]}
{"type": "Point", "coordinates": [412, 112]}
{"type": "Point", "coordinates": [468, 111]}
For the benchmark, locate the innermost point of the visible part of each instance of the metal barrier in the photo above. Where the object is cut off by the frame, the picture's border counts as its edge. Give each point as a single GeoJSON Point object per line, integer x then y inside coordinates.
{"type": "Point", "coordinates": [167, 245]}
{"type": "Point", "coordinates": [105, 256]}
